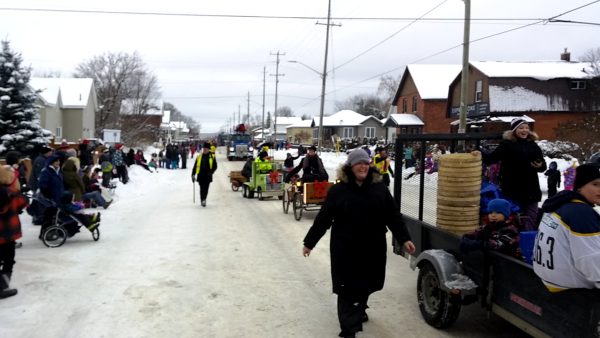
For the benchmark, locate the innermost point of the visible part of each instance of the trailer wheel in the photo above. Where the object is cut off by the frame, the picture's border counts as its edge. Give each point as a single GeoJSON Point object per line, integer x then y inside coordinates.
{"type": "Point", "coordinates": [235, 186]}
{"type": "Point", "coordinates": [439, 308]}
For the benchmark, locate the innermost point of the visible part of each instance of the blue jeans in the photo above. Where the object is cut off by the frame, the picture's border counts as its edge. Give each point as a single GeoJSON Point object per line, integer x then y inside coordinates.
{"type": "Point", "coordinates": [95, 196]}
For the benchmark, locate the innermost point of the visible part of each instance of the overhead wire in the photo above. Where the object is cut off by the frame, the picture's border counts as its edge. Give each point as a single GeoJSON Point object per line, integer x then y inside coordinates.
{"type": "Point", "coordinates": [471, 41]}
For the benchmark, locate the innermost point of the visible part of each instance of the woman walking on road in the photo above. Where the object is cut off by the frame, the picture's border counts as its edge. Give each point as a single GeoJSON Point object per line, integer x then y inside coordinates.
{"type": "Point", "coordinates": [359, 211]}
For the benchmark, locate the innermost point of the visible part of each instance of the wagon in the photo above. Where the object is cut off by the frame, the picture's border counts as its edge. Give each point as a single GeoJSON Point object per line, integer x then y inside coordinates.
{"type": "Point", "coordinates": [304, 196]}
{"type": "Point", "coordinates": [237, 179]}
{"type": "Point", "coordinates": [264, 183]}
{"type": "Point", "coordinates": [449, 279]}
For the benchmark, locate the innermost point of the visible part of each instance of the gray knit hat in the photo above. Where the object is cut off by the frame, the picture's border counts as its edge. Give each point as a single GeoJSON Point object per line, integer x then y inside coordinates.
{"type": "Point", "coordinates": [356, 156]}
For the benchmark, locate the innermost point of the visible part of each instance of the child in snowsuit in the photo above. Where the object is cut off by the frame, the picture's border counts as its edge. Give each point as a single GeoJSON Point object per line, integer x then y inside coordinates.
{"type": "Point", "coordinates": [553, 179]}
{"type": "Point", "coordinates": [497, 233]}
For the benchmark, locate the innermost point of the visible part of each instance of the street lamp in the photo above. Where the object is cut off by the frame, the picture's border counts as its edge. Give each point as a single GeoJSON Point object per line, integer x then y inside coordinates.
{"type": "Point", "coordinates": [323, 82]}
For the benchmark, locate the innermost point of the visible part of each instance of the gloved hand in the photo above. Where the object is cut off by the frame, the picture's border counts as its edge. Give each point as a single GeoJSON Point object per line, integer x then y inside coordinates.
{"type": "Point", "coordinates": [193, 179]}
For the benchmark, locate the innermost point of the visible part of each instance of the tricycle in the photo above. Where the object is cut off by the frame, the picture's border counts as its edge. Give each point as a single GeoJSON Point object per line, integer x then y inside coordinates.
{"type": "Point", "coordinates": [449, 279]}
{"type": "Point", "coordinates": [304, 196]}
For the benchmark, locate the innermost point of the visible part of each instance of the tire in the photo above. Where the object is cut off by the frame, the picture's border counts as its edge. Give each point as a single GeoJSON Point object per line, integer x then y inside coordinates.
{"type": "Point", "coordinates": [286, 201]}
{"type": "Point", "coordinates": [250, 193]}
{"type": "Point", "coordinates": [54, 236]}
{"type": "Point", "coordinates": [298, 206]}
{"type": "Point", "coordinates": [259, 194]}
{"type": "Point", "coordinates": [438, 308]}
{"type": "Point", "coordinates": [96, 234]}
{"type": "Point", "coordinates": [235, 186]}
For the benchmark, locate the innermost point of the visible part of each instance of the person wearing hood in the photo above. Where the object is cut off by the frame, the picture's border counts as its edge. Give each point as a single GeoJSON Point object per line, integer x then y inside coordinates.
{"type": "Point", "coordinates": [359, 210]}
{"type": "Point", "coordinates": [567, 245]}
{"type": "Point", "coordinates": [521, 160]}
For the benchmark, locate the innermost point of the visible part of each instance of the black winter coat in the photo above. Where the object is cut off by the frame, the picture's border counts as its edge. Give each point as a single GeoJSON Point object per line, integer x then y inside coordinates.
{"type": "Point", "coordinates": [359, 217]}
{"type": "Point", "coordinates": [518, 179]}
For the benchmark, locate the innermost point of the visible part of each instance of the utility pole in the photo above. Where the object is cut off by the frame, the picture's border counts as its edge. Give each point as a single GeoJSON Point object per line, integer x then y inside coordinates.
{"type": "Point", "coordinates": [248, 110]}
{"type": "Point", "coordinates": [277, 75]}
{"type": "Point", "coordinates": [324, 76]}
{"type": "Point", "coordinates": [263, 103]}
{"type": "Point", "coordinates": [462, 126]}
{"type": "Point", "coordinates": [239, 114]}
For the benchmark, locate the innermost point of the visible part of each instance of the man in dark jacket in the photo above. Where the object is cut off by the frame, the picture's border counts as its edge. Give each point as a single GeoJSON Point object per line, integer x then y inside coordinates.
{"type": "Point", "coordinates": [359, 210]}
{"type": "Point", "coordinates": [311, 166]}
{"type": "Point", "coordinates": [204, 167]}
{"type": "Point", "coordinates": [38, 165]}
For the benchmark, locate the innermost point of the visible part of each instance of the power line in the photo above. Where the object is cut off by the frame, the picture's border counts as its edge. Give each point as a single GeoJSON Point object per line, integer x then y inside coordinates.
{"type": "Point", "coordinates": [391, 36]}
{"type": "Point", "coordinates": [241, 16]}
{"type": "Point", "coordinates": [471, 41]}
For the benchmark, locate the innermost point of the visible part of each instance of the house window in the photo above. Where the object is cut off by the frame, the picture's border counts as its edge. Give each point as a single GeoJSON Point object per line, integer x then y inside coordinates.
{"type": "Point", "coordinates": [478, 91]}
{"type": "Point", "coordinates": [414, 104]}
{"type": "Point", "coordinates": [58, 132]}
{"type": "Point", "coordinates": [370, 132]}
{"type": "Point", "coordinates": [577, 84]}
{"type": "Point", "coordinates": [315, 133]}
{"type": "Point", "coordinates": [404, 105]}
{"type": "Point", "coordinates": [348, 132]}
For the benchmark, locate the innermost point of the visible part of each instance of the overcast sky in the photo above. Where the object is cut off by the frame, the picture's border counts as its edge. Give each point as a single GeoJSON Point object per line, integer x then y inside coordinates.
{"type": "Point", "coordinates": [206, 65]}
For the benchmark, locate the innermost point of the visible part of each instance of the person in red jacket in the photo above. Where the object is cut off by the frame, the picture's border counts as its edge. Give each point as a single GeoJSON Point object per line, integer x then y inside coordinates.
{"type": "Point", "coordinates": [12, 203]}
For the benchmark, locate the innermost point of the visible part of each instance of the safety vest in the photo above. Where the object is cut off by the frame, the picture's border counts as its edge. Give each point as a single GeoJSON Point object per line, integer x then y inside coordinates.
{"type": "Point", "coordinates": [382, 165]}
{"type": "Point", "coordinates": [199, 162]}
{"type": "Point", "coordinates": [263, 166]}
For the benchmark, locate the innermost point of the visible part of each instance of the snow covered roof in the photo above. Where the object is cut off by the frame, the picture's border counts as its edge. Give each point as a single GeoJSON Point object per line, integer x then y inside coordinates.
{"type": "Point", "coordinates": [540, 70]}
{"type": "Point", "coordinates": [507, 119]}
{"type": "Point", "coordinates": [301, 124]}
{"type": "Point", "coordinates": [521, 99]}
{"type": "Point", "coordinates": [74, 92]}
{"type": "Point", "coordinates": [342, 118]}
{"type": "Point", "coordinates": [403, 120]}
{"type": "Point", "coordinates": [287, 120]}
{"type": "Point", "coordinates": [432, 80]}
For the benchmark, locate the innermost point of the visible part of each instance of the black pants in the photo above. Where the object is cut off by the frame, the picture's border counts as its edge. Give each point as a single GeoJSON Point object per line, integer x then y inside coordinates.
{"type": "Point", "coordinates": [122, 173]}
{"type": "Point", "coordinates": [204, 184]}
{"type": "Point", "coordinates": [386, 179]}
{"type": "Point", "coordinates": [7, 258]}
{"type": "Point", "coordinates": [351, 310]}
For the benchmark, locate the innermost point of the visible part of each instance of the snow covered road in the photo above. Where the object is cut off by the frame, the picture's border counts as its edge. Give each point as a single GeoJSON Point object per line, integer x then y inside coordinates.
{"type": "Point", "coordinates": [165, 267]}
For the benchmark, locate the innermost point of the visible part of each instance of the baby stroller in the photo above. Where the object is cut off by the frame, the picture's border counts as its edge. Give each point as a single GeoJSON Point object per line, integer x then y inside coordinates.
{"type": "Point", "coordinates": [60, 224]}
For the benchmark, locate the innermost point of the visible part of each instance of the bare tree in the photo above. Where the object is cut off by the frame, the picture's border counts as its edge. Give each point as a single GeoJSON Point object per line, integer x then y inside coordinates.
{"type": "Point", "coordinates": [284, 111]}
{"type": "Point", "coordinates": [365, 104]}
{"type": "Point", "coordinates": [388, 86]}
{"type": "Point", "coordinates": [113, 74]}
{"type": "Point", "coordinates": [47, 73]}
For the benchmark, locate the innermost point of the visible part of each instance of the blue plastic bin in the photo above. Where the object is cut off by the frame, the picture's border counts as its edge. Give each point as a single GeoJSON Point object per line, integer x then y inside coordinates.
{"type": "Point", "coordinates": [526, 243]}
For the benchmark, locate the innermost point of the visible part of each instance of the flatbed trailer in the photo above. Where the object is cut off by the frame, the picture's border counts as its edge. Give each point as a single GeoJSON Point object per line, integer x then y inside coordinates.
{"type": "Point", "coordinates": [449, 279]}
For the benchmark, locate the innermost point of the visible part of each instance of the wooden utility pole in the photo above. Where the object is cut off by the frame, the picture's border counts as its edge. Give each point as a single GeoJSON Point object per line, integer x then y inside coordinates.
{"type": "Point", "coordinates": [277, 75]}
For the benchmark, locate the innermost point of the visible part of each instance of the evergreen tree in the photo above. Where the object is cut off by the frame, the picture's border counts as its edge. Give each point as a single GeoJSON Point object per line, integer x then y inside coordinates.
{"type": "Point", "coordinates": [19, 119]}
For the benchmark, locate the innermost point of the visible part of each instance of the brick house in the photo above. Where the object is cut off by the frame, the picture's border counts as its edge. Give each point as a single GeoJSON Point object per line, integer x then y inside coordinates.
{"type": "Point", "coordinates": [549, 92]}
{"type": "Point", "coordinates": [423, 91]}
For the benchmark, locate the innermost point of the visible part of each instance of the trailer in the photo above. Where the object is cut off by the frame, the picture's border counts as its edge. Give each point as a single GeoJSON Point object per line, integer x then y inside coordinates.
{"type": "Point", "coordinates": [449, 279]}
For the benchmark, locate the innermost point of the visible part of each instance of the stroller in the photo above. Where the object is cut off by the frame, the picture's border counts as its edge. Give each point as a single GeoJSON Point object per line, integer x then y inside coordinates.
{"type": "Point", "coordinates": [59, 224]}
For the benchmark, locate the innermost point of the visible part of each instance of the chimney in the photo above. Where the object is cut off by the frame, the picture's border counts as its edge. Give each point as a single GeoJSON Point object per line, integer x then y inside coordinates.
{"type": "Point", "coordinates": [565, 56]}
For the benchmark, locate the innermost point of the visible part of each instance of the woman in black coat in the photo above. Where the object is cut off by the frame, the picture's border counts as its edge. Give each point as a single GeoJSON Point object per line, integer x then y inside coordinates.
{"type": "Point", "coordinates": [359, 210]}
{"type": "Point", "coordinates": [521, 160]}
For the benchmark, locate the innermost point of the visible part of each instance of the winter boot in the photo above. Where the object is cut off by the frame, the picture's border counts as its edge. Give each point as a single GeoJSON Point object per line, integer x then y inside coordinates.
{"type": "Point", "coordinates": [5, 291]}
{"type": "Point", "coordinates": [203, 203]}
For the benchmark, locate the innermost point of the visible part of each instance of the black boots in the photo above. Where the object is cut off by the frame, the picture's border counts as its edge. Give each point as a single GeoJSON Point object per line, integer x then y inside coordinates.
{"type": "Point", "coordinates": [5, 291]}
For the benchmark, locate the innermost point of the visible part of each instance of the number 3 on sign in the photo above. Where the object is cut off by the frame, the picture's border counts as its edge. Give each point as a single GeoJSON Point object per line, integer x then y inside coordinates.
{"type": "Point", "coordinates": [542, 247]}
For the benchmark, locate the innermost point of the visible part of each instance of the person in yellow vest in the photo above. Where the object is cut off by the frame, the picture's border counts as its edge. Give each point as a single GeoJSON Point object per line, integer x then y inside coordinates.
{"type": "Point", "coordinates": [382, 163]}
{"type": "Point", "coordinates": [204, 167]}
{"type": "Point", "coordinates": [264, 166]}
